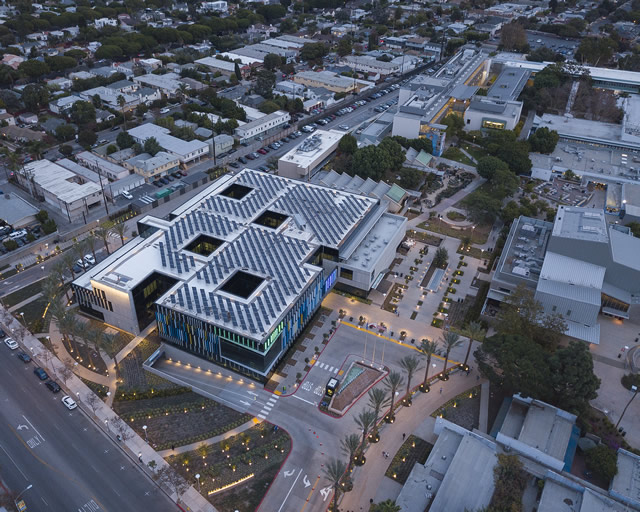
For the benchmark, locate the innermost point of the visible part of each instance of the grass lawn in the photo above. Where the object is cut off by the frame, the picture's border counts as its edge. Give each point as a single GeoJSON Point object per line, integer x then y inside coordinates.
{"type": "Point", "coordinates": [475, 151]}
{"type": "Point", "coordinates": [255, 456]}
{"type": "Point", "coordinates": [472, 252]}
{"type": "Point", "coordinates": [455, 154]}
{"type": "Point", "coordinates": [478, 235]}
{"type": "Point", "coordinates": [22, 294]}
{"type": "Point", "coordinates": [33, 316]}
{"type": "Point", "coordinates": [4, 274]}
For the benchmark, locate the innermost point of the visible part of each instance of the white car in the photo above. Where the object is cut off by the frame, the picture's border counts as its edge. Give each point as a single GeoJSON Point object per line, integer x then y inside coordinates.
{"type": "Point", "coordinates": [343, 127]}
{"type": "Point", "coordinates": [89, 259]}
{"type": "Point", "coordinates": [69, 402]}
{"type": "Point", "coordinates": [10, 343]}
{"type": "Point", "coordinates": [18, 234]}
{"type": "Point", "coordinates": [126, 195]}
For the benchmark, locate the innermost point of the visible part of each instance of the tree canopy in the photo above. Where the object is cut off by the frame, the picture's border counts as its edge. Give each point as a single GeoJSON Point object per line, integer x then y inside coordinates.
{"type": "Point", "coordinates": [543, 140]}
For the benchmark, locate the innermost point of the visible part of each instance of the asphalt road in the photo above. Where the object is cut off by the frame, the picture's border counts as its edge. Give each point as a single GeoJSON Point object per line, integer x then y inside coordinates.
{"type": "Point", "coordinates": [71, 464]}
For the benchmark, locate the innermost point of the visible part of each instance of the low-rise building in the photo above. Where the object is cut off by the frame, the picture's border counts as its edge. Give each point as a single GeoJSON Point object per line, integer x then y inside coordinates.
{"type": "Point", "coordinates": [578, 267]}
{"type": "Point", "coordinates": [63, 105]}
{"type": "Point", "coordinates": [223, 66]}
{"type": "Point", "coordinates": [185, 151]}
{"type": "Point", "coordinates": [215, 6]}
{"type": "Point", "coordinates": [271, 122]}
{"type": "Point", "coordinates": [331, 81]}
{"type": "Point", "coordinates": [311, 154]}
{"type": "Point", "coordinates": [101, 166]}
{"type": "Point", "coordinates": [16, 211]}
{"type": "Point", "coordinates": [151, 167]}
{"type": "Point", "coordinates": [168, 84]}
{"type": "Point", "coordinates": [373, 66]}
{"type": "Point", "coordinates": [70, 194]}
{"type": "Point", "coordinates": [484, 112]}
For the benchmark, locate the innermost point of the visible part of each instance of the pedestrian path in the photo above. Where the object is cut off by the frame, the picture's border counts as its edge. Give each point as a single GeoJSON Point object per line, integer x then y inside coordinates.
{"type": "Point", "coordinates": [266, 408]}
{"type": "Point", "coordinates": [25, 302]}
{"type": "Point", "coordinates": [212, 440]}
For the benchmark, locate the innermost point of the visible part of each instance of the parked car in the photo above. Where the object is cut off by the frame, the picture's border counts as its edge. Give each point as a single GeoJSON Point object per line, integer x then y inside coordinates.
{"type": "Point", "coordinates": [11, 343]}
{"type": "Point", "coordinates": [156, 184]}
{"type": "Point", "coordinates": [242, 160]}
{"type": "Point", "coordinates": [126, 195]}
{"type": "Point", "coordinates": [235, 165]}
{"type": "Point", "coordinates": [251, 157]}
{"type": "Point", "coordinates": [24, 357]}
{"type": "Point", "coordinates": [18, 234]}
{"type": "Point", "coordinates": [89, 259]}
{"type": "Point", "coordinates": [343, 127]}
{"type": "Point", "coordinates": [69, 402]}
{"type": "Point", "coordinates": [165, 110]}
{"type": "Point", "coordinates": [53, 386]}
{"type": "Point", "coordinates": [255, 155]}
{"type": "Point", "coordinates": [262, 151]}
{"type": "Point", "coordinates": [2, 334]}
{"type": "Point", "coordinates": [42, 375]}
{"type": "Point", "coordinates": [115, 128]}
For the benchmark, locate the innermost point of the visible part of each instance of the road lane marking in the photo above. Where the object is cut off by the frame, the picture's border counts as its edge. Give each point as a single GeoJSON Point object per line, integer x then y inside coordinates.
{"type": "Point", "coordinates": [310, 403]}
{"type": "Point", "coordinates": [310, 492]}
{"type": "Point", "coordinates": [34, 428]}
{"type": "Point", "coordinates": [262, 417]}
{"type": "Point", "coordinates": [291, 489]}
{"type": "Point", "coordinates": [14, 462]}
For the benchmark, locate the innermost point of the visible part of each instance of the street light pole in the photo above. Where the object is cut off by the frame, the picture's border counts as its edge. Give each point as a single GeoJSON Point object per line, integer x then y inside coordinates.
{"type": "Point", "coordinates": [144, 427]}
{"type": "Point", "coordinates": [198, 479]}
{"type": "Point", "coordinates": [635, 392]}
{"type": "Point", "coordinates": [25, 490]}
{"type": "Point", "coordinates": [366, 335]}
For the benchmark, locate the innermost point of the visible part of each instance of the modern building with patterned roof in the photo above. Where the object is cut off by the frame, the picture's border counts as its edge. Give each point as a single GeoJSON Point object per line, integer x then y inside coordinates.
{"type": "Point", "coordinates": [237, 271]}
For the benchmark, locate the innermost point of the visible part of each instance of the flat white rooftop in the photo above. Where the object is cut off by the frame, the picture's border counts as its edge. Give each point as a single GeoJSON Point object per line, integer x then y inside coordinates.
{"type": "Point", "coordinates": [312, 148]}
{"type": "Point", "coordinates": [60, 182]}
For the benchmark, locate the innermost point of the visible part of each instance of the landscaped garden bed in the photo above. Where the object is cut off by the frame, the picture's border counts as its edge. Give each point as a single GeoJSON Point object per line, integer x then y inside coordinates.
{"type": "Point", "coordinates": [132, 375]}
{"type": "Point", "coordinates": [351, 388]}
{"type": "Point", "coordinates": [463, 410]}
{"type": "Point", "coordinates": [179, 419]}
{"type": "Point", "coordinates": [85, 355]}
{"type": "Point", "coordinates": [413, 450]}
{"type": "Point", "coordinates": [250, 460]}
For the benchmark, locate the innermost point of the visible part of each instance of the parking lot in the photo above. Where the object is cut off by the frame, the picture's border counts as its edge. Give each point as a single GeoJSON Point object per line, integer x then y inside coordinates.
{"type": "Point", "coordinates": [566, 47]}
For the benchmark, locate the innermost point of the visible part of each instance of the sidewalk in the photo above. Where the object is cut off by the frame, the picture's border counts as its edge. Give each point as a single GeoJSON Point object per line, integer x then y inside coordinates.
{"type": "Point", "coordinates": [369, 480]}
{"type": "Point", "coordinates": [133, 445]}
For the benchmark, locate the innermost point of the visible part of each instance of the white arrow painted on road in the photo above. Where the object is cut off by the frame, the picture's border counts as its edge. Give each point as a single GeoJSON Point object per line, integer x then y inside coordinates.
{"type": "Point", "coordinates": [306, 482]}
{"type": "Point", "coordinates": [245, 403]}
{"type": "Point", "coordinates": [325, 493]}
{"type": "Point", "coordinates": [21, 427]}
{"type": "Point", "coordinates": [289, 473]}
{"type": "Point", "coordinates": [252, 393]}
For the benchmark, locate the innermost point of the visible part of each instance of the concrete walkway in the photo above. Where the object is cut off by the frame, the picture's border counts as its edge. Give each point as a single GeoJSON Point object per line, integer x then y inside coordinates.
{"type": "Point", "coordinates": [484, 408]}
{"type": "Point", "coordinates": [24, 302]}
{"type": "Point", "coordinates": [369, 480]}
{"type": "Point", "coordinates": [133, 445]}
{"type": "Point", "coordinates": [212, 440]}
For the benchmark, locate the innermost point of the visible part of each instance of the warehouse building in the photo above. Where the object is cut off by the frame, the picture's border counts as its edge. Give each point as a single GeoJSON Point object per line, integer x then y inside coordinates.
{"type": "Point", "coordinates": [236, 272]}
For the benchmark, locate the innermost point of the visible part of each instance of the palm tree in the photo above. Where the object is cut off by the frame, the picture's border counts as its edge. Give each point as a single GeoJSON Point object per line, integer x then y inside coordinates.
{"type": "Point", "coordinates": [410, 365]}
{"type": "Point", "coordinates": [349, 446]}
{"type": "Point", "coordinates": [58, 269]}
{"type": "Point", "coordinates": [103, 233]}
{"type": "Point", "coordinates": [121, 102]}
{"type": "Point", "coordinates": [386, 506]}
{"type": "Point", "coordinates": [333, 473]}
{"type": "Point", "coordinates": [475, 332]}
{"type": "Point", "coordinates": [69, 261]}
{"type": "Point", "coordinates": [428, 348]}
{"type": "Point", "coordinates": [365, 421]}
{"type": "Point", "coordinates": [121, 229]}
{"type": "Point", "coordinates": [393, 381]}
{"type": "Point", "coordinates": [90, 243]}
{"type": "Point", "coordinates": [182, 92]}
{"type": "Point", "coordinates": [377, 400]}
{"type": "Point", "coordinates": [450, 340]}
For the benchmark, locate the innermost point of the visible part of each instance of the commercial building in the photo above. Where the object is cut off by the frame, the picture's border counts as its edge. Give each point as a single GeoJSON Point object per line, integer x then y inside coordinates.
{"type": "Point", "coordinates": [61, 189]}
{"type": "Point", "coordinates": [371, 65]}
{"type": "Point", "coordinates": [185, 151]}
{"type": "Point", "coordinates": [168, 84]}
{"type": "Point", "coordinates": [543, 438]}
{"type": "Point", "coordinates": [578, 266]}
{"type": "Point", "coordinates": [270, 122]}
{"type": "Point", "coordinates": [101, 166]}
{"type": "Point", "coordinates": [238, 270]}
{"type": "Point", "coordinates": [311, 154]}
{"type": "Point", "coordinates": [484, 112]}
{"type": "Point", "coordinates": [17, 212]}
{"type": "Point", "coordinates": [412, 123]}
{"type": "Point", "coordinates": [330, 81]}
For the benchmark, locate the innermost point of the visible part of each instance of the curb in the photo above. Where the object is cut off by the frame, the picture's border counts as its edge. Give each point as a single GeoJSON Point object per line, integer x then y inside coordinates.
{"type": "Point", "coordinates": [281, 465]}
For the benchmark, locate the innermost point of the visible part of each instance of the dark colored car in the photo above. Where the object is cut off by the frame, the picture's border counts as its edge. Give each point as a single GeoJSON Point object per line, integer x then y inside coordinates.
{"type": "Point", "coordinates": [156, 184]}
{"type": "Point", "coordinates": [235, 165]}
{"type": "Point", "coordinates": [262, 151]}
{"type": "Point", "coordinates": [3, 334]}
{"type": "Point", "coordinates": [53, 386]}
{"type": "Point", "coordinates": [42, 375]}
{"type": "Point", "coordinates": [242, 160]}
{"type": "Point", "coordinates": [250, 157]}
{"type": "Point", "coordinates": [24, 357]}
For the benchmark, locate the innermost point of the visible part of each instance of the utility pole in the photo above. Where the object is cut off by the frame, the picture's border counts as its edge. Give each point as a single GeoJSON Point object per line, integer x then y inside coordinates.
{"type": "Point", "coordinates": [635, 392]}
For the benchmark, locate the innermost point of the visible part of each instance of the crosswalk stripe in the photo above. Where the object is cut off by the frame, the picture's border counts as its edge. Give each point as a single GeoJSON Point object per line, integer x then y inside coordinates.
{"type": "Point", "coordinates": [268, 407]}
{"type": "Point", "coordinates": [321, 366]}
{"type": "Point", "coordinates": [335, 371]}
{"type": "Point", "coordinates": [262, 417]}
{"type": "Point", "coordinates": [331, 369]}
